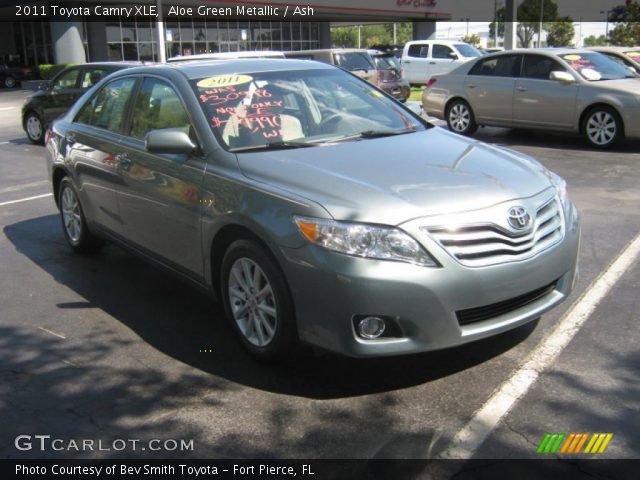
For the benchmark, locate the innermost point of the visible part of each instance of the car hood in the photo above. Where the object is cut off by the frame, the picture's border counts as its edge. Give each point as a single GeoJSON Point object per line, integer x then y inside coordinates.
{"type": "Point", "coordinates": [395, 179]}
{"type": "Point", "coordinates": [625, 85]}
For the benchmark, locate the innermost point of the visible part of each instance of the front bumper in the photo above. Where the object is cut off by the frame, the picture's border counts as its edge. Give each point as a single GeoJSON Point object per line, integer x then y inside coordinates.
{"type": "Point", "coordinates": [329, 289]}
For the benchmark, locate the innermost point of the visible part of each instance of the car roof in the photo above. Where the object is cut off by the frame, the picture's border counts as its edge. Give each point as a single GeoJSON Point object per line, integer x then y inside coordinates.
{"type": "Point", "coordinates": [543, 51]}
{"type": "Point", "coordinates": [201, 69]}
{"type": "Point", "coordinates": [125, 64]}
{"type": "Point", "coordinates": [443, 42]}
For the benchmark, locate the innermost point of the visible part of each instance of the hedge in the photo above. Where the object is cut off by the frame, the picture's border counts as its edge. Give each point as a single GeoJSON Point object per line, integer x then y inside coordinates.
{"type": "Point", "coordinates": [47, 71]}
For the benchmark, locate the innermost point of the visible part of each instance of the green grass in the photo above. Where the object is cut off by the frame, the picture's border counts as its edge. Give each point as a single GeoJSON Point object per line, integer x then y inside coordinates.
{"type": "Point", "coordinates": [416, 93]}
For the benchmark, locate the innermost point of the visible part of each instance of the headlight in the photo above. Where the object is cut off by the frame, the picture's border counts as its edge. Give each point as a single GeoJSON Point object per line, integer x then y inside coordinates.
{"type": "Point", "coordinates": [362, 240]}
{"type": "Point", "coordinates": [561, 187]}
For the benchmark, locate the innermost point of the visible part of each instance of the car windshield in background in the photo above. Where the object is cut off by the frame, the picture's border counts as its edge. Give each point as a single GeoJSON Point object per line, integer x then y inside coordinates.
{"type": "Point", "coordinates": [468, 50]}
{"type": "Point", "coordinates": [594, 66]}
{"type": "Point", "coordinates": [386, 62]}
{"type": "Point", "coordinates": [295, 109]}
{"type": "Point", "coordinates": [634, 54]}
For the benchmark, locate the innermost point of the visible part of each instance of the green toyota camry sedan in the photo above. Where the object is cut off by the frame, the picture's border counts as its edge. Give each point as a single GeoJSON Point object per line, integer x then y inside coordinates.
{"type": "Point", "coordinates": [313, 206]}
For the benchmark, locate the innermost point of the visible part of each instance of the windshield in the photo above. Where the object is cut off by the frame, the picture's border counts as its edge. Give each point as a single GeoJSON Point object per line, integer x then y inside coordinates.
{"type": "Point", "coordinates": [297, 108]}
{"type": "Point", "coordinates": [595, 66]}
{"type": "Point", "coordinates": [634, 54]}
{"type": "Point", "coordinates": [467, 50]}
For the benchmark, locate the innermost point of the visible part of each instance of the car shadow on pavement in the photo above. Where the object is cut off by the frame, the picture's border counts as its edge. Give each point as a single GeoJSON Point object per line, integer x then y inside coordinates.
{"type": "Point", "coordinates": [20, 141]}
{"type": "Point", "coordinates": [179, 321]}
{"type": "Point", "coordinates": [536, 138]}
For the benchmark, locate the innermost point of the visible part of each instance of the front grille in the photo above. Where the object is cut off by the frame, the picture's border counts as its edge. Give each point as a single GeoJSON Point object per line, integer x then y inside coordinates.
{"type": "Point", "coordinates": [490, 244]}
{"type": "Point", "coordinates": [478, 314]}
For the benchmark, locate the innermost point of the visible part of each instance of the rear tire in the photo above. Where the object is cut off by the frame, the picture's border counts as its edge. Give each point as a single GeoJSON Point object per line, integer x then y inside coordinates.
{"type": "Point", "coordinates": [257, 302]}
{"type": "Point", "coordinates": [602, 127]}
{"type": "Point", "coordinates": [74, 224]}
{"type": "Point", "coordinates": [460, 118]}
{"type": "Point", "coordinates": [10, 82]}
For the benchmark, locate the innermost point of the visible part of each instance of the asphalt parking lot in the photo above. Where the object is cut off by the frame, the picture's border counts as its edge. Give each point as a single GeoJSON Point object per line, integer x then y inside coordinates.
{"type": "Point", "coordinates": [106, 347]}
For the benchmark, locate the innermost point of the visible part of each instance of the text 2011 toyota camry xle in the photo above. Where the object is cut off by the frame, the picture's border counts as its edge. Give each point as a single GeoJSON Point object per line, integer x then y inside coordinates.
{"type": "Point", "coordinates": [315, 207]}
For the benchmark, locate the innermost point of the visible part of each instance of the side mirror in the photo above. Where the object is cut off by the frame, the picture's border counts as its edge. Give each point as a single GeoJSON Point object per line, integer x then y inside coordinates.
{"type": "Point", "coordinates": [565, 77]}
{"type": "Point", "coordinates": [169, 140]}
{"type": "Point", "coordinates": [453, 55]}
{"type": "Point", "coordinates": [44, 85]}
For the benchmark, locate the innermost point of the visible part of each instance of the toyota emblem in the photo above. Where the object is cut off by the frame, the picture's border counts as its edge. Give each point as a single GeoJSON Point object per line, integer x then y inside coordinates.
{"type": "Point", "coordinates": [519, 218]}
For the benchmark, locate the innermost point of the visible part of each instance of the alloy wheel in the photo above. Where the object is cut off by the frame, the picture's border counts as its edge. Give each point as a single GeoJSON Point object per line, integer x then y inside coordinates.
{"type": "Point", "coordinates": [71, 216]}
{"type": "Point", "coordinates": [601, 128]}
{"type": "Point", "coordinates": [252, 302]}
{"type": "Point", "coordinates": [459, 117]}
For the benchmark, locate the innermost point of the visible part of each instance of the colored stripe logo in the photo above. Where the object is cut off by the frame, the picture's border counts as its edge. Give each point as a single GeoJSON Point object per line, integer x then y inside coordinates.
{"type": "Point", "coordinates": [573, 443]}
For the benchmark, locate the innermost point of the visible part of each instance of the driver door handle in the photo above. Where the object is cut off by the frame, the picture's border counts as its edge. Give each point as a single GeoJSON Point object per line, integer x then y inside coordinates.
{"type": "Point", "coordinates": [521, 88]}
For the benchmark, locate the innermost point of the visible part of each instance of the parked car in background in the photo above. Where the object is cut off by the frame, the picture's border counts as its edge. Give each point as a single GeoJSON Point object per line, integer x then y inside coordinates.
{"type": "Point", "coordinates": [421, 59]}
{"type": "Point", "coordinates": [627, 56]}
{"type": "Point", "coordinates": [10, 77]}
{"type": "Point", "coordinates": [390, 77]}
{"type": "Point", "coordinates": [54, 97]}
{"type": "Point", "coordinates": [314, 207]}
{"type": "Point", "coordinates": [554, 89]}
{"type": "Point", "coordinates": [227, 55]}
{"type": "Point", "coordinates": [356, 60]}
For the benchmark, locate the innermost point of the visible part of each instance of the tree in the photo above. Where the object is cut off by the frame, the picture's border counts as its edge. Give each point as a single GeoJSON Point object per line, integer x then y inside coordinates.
{"type": "Point", "coordinates": [593, 41]}
{"type": "Point", "coordinates": [472, 39]}
{"type": "Point", "coordinates": [344, 37]}
{"type": "Point", "coordinates": [528, 16]}
{"type": "Point", "coordinates": [560, 33]}
{"type": "Point", "coordinates": [627, 20]}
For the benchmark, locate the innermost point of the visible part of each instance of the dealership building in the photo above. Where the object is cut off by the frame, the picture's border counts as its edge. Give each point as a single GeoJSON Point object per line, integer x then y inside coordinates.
{"type": "Point", "coordinates": [86, 37]}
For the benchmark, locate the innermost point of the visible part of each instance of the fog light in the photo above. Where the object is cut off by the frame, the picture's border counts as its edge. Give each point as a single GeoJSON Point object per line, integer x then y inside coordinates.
{"type": "Point", "coordinates": [371, 327]}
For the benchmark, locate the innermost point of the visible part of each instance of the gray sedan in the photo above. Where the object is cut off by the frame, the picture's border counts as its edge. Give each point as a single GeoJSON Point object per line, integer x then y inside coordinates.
{"type": "Point", "coordinates": [313, 206]}
{"type": "Point", "coordinates": [553, 89]}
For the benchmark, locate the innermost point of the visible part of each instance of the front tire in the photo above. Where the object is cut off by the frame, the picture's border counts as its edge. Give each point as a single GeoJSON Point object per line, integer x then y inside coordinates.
{"type": "Point", "coordinates": [34, 128]}
{"type": "Point", "coordinates": [74, 224]}
{"type": "Point", "coordinates": [460, 118]}
{"type": "Point", "coordinates": [602, 127]}
{"type": "Point", "coordinates": [257, 301]}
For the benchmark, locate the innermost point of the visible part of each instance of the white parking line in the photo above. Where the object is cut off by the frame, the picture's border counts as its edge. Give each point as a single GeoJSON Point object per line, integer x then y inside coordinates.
{"type": "Point", "coordinates": [8, 108]}
{"type": "Point", "coordinates": [473, 434]}
{"type": "Point", "coordinates": [26, 199]}
{"type": "Point", "coordinates": [15, 188]}
{"type": "Point", "coordinates": [59, 335]}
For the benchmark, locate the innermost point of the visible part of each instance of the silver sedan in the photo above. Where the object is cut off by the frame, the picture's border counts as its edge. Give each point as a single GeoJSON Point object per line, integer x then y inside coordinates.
{"type": "Point", "coordinates": [552, 89]}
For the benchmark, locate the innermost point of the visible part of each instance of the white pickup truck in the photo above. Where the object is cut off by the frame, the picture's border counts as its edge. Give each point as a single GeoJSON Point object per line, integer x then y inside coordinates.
{"type": "Point", "coordinates": [423, 58]}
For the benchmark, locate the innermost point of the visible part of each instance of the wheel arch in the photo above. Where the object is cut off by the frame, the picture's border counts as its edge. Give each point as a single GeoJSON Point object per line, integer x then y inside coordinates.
{"type": "Point", "coordinates": [224, 237]}
{"type": "Point", "coordinates": [56, 177]}
{"type": "Point", "coordinates": [453, 99]}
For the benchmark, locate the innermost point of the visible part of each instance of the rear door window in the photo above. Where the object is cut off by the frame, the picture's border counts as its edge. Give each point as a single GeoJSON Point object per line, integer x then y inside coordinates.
{"type": "Point", "coordinates": [418, 50]}
{"type": "Point", "coordinates": [353, 61]}
{"type": "Point", "coordinates": [107, 109]}
{"type": "Point", "coordinates": [502, 66]}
